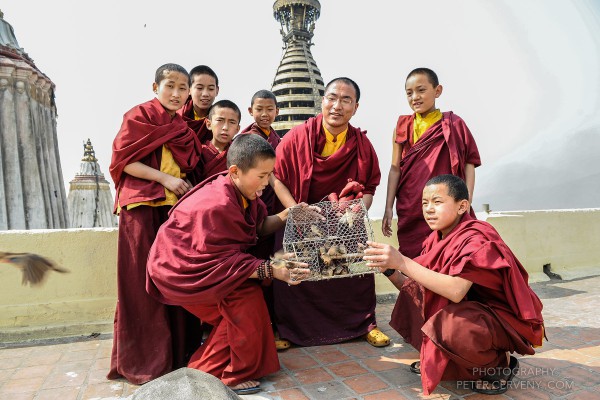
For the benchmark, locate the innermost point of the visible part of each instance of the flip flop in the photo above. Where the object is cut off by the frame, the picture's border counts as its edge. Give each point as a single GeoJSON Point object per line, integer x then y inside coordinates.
{"type": "Point", "coordinates": [250, 390]}
{"type": "Point", "coordinates": [497, 383]}
{"type": "Point", "coordinates": [415, 367]}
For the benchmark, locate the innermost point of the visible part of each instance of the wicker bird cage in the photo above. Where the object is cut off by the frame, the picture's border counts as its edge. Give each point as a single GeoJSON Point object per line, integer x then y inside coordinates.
{"type": "Point", "coordinates": [333, 247]}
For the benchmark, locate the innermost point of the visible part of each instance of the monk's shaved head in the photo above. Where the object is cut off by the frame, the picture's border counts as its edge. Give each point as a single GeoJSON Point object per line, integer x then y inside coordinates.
{"type": "Point", "coordinates": [163, 70]}
{"type": "Point", "coordinates": [431, 76]}
{"type": "Point", "coordinates": [347, 81]}
{"type": "Point", "coordinates": [263, 94]}
{"type": "Point", "coordinates": [225, 104]}
{"type": "Point", "coordinates": [204, 70]}
{"type": "Point", "coordinates": [247, 150]}
{"type": "Point", "coordinates": [457, 188]}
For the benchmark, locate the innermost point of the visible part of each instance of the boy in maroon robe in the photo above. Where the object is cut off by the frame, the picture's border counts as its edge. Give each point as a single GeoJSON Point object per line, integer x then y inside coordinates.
{"type": "Point", "coordinates": [200, 260]}
{"type": "Point", "coordinates": [315, 159]}
{"type": "Point", "coordinates": [223, 121]}
{"type": "Point", "coordinates": [465, 302]}
{"type": "Point", "coordinates": [263, 109]}
{"type": "Point", "coordinates": [152, 152]}
{"type": "Point", "coordinates": [204, 89]}
{"type": "Point", "coordinates": [426, 144]}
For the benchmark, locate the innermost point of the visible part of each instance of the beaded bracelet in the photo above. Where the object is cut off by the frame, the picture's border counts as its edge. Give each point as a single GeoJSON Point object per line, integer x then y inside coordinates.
{"type": "Point", "coordinates": [260, 272]}
{"type": "Point", "coordinates": [269, 269]}
{"type": "Point", "coordinates": [264, 270]}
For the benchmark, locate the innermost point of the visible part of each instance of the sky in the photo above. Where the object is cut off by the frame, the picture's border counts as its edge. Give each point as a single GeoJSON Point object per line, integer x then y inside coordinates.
{"type": "Point", "coordinates": [521, 73]}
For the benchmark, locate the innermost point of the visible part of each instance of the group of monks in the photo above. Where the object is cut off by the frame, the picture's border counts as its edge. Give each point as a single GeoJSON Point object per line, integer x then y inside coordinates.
{"type": "Point", "coordinates": [201, 209]}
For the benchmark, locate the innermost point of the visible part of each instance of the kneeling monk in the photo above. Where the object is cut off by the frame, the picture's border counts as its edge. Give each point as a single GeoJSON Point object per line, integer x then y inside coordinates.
{"type": "Point", "coordinates": [465, 302]}
{"type": "Point", "coordinates": [199, 260]}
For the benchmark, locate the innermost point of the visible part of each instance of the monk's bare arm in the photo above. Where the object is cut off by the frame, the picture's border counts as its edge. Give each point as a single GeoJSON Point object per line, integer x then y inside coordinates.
{"type": "Point", "coordinates": [392, 186]}
{"type": "Point", "coordinates": [282, 192]}
{"type": "Point", "coordinates": [273, 223]}
{"type": "Point", "coordinates": [384, 256]}
{"type": "Point", "coordinates": [143, 171]}
{"type": "Point", "coordinates": [368, 200]}
{"type": "Point", "coordinates": [470, 180]}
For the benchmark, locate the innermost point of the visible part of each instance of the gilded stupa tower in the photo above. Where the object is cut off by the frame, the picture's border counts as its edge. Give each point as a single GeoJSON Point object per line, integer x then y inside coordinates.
{"type": "Point", "coordinates": [90, 200]}
{"type": "Point", "coordinates": [298, 84]}
{"type": "Point", "coordinates": [32, 191]}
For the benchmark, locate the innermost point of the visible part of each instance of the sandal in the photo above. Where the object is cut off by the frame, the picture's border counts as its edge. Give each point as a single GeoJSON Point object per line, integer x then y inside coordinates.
{"type": "Point", "coordinates": [377, 338]}
{"type": "Point", "coordinates": [250, 390]}
{"type": "Point", "coordinates": [281, 344]}
{"type": "Point", "coordinates": [415, 367]}
{"type": "Point", "coordinates": [497, 383]}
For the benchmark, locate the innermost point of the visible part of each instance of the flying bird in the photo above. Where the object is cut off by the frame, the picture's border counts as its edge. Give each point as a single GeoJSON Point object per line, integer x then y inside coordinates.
{"type": "Point", "coordinates": [33, 266]}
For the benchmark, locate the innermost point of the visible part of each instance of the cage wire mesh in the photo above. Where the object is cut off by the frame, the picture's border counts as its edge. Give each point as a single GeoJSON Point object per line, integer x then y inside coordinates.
{"type": "Point", "coordinates": [333, 247]}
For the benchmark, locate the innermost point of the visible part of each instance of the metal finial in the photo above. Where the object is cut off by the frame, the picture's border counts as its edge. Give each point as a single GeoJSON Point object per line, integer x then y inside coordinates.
{"type": "Point", "coordinates": [88, 152]}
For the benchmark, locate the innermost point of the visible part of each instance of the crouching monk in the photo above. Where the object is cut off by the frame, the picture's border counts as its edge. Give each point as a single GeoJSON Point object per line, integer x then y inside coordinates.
{"type": "Point", "coordinates": [199, 260]}
{"type": "Point", "coordinates": [465, 302]}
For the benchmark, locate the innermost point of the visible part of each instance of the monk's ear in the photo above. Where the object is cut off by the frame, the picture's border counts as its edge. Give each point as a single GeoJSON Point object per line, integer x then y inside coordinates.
{"type": "Point", "coordinates": [355, 108]}
{"type": "Point", "coordinates": [233, 170]}
{"type": "Point", "coordinates": [438, 91]}
{"type": "Point", "coordinates": [208, 123]}
{"type": "Point", "coordinates": [250, 110]}
{"type": "Point", "coordinates": [155, 87]}
{"type": "Point", "coordinates": [463, 207]}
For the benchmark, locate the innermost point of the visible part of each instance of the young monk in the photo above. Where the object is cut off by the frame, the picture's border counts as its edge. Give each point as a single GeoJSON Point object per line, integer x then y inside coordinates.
{"type": "Point", "coordinates": [151, 154]}
{"type": "Point", "coordinates": [315, 159]}
{"type": "Point", "coordinates": [263, 109]}
{"type": "Point", "coordinates": [204, 89]}
{"type": "Point", "coordinates": [426, 144]}
{"type": "Point", "coordinates": [224, 123]}
{"type": "Point", "coordinates": [200, 260]}
{"type": "Point", "coordinates": [465, 302]}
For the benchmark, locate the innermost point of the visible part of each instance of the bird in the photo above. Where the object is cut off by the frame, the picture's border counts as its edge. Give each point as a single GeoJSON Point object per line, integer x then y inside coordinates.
{"type": "Point", "coordinates": [33, 266]}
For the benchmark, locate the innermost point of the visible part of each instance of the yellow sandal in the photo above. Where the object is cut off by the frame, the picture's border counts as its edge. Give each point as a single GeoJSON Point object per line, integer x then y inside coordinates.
{"type": "Point", "coordinates": [281, 344]}
{"type": "Point", "coordinates": [377, 338]}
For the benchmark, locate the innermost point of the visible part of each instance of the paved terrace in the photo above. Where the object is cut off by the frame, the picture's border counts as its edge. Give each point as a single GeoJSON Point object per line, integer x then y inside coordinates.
{"type": "Point", "coordinates": [567, 367]}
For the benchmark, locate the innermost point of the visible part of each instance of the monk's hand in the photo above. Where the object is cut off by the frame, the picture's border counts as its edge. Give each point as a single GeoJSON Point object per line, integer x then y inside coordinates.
{"type": "Point", "coordinates": [386, 223]}
{"type": "Point", "coordinates": [176, 185]}
{"type": "Point", "coordinates": [383, 256]}
{"type": "Point", "coordinates": [306, 213]}
{"type": "Point", "coordinates": [289, 271]}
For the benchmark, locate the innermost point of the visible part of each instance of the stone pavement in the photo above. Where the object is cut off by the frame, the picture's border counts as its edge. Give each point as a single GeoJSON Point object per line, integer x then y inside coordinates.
{"type": "Point", "coordinates": [567, 367]}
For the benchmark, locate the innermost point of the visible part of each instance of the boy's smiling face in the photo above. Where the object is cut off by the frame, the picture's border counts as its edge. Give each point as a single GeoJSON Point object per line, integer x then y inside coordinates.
{"type": "Point", "coordinates": [264, 112]}
{"type": "Point", "coordinates": [252, 182]}
{"type": "Point", "coordinates": [204, 89]}
{"type": "Point", "coordinates": [224, 123]}
{"type": "Point", "coordinates": [441, 211]}
{"type": "Point", "coordinates": [421, 94]}
{"type": "Point", "coordinates": [172, 91]}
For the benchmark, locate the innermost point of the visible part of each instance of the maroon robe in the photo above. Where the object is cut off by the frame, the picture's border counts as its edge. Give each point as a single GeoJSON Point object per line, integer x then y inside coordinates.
{"type": "Point", "coordinates": [445, 148]}
{"type": "Point", "coordinates": [145, 129]}
{"type": "Point", "coordinates": [268, 196]}
{"type": "Point", "coordinates": [148, 336]}
{"type": "Point", "coordinates": [212, 161]}
{"type": "Point", "coordinates": [197, 125]}
{"type": "Point", "coordinates": [200, 260]}
{"type": "Point", "coordinates": [500, 312]}
{"type": "Point", "coordinates": [328, 311]}
{"type": "Point", "coordinates": [265, 246]}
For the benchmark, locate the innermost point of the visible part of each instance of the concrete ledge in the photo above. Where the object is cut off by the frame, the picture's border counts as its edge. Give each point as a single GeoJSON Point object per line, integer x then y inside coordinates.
{"type": "Point", "coordinates": [83, 301]}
